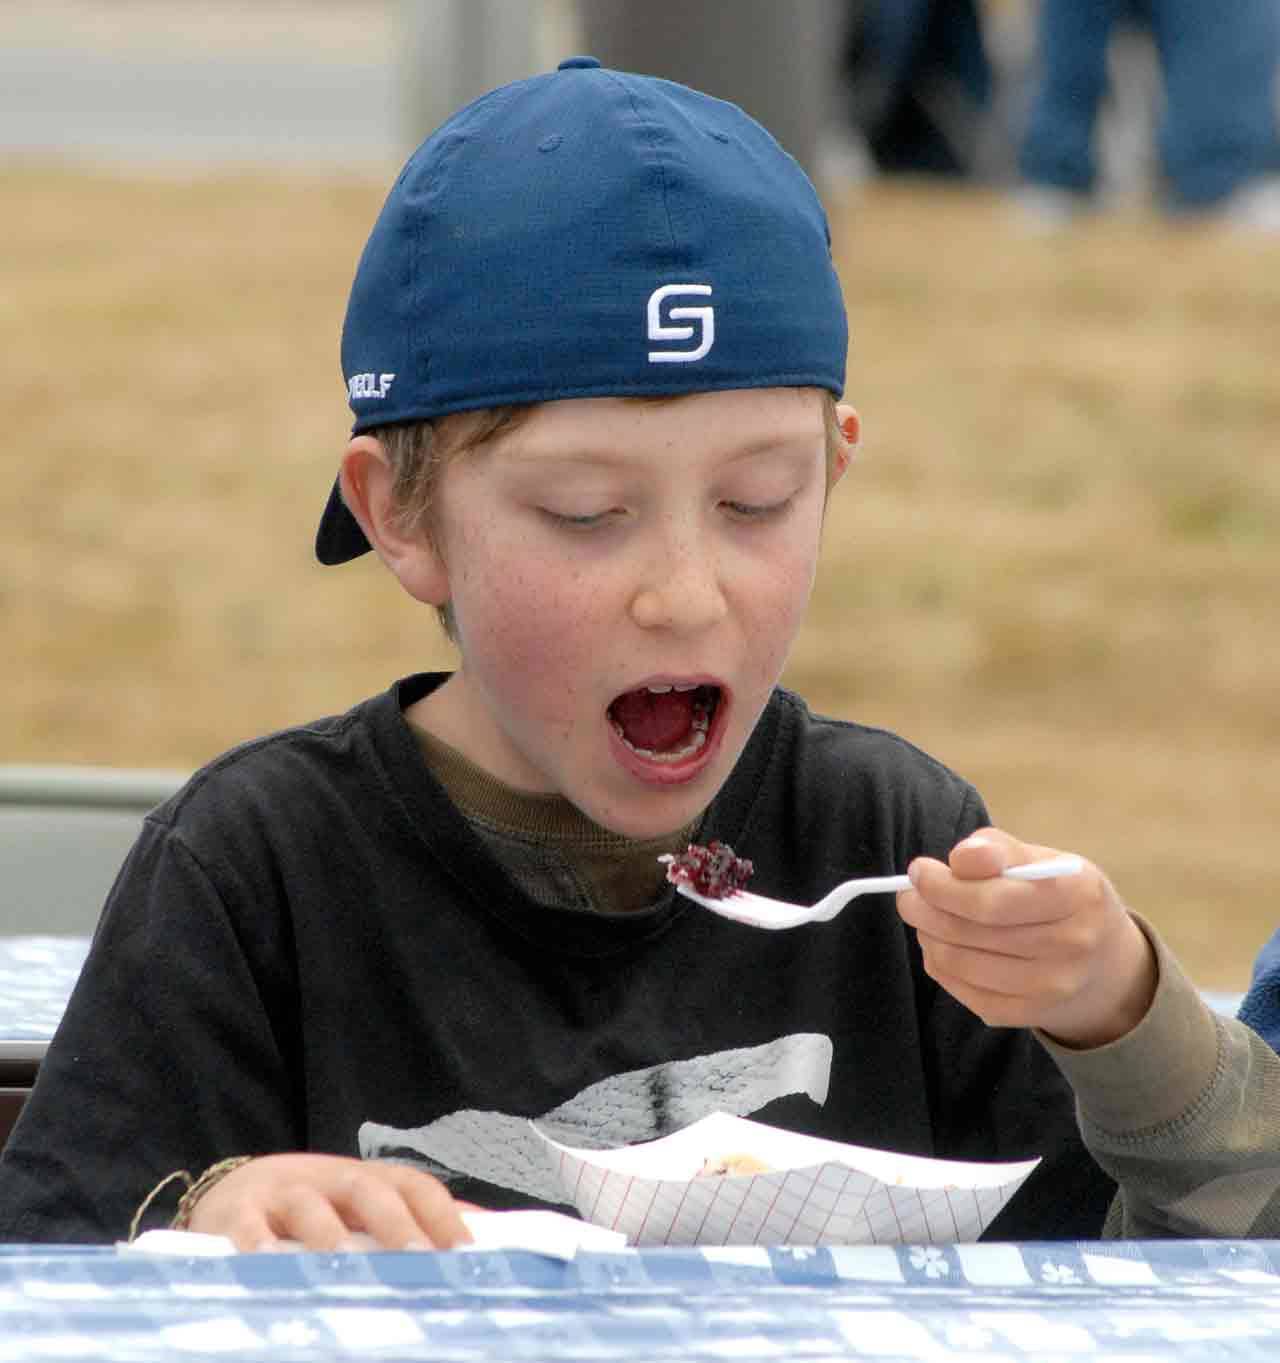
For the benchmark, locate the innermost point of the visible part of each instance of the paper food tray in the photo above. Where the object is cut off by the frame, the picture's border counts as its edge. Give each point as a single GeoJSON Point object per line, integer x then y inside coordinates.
{"type": "Point", "coordinates": [817, 1192]}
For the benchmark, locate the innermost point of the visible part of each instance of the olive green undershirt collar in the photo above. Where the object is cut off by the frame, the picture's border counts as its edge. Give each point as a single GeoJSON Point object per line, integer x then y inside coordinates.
{"type": "Point", "coordinates": [557, 855]}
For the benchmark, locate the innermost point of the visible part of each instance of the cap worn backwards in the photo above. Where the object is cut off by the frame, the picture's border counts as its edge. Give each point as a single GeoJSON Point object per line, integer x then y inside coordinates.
{"type": "Point", "coordinates": [587, 233]}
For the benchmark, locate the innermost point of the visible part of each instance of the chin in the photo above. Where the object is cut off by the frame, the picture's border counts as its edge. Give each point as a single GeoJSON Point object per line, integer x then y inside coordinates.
{"type": "Point", "coordinates": [653, 812]}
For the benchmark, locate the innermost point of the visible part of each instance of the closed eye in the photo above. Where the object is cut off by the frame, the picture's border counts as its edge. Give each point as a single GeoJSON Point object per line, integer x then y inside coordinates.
{"type": "Point", "coordinates": [754, 511]}
{"type": "Point", "coordinates": [591, 522]}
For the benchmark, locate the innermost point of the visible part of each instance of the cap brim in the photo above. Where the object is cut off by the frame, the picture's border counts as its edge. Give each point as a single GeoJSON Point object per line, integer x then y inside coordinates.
{"type": "Point", "coordinates": [339, 538]}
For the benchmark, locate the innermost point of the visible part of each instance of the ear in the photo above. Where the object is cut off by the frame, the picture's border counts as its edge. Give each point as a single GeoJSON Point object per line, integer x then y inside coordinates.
{"type": "Point", "coordinates": [368, 483]}
{"type": "Point", "coordinates": [851, 433]}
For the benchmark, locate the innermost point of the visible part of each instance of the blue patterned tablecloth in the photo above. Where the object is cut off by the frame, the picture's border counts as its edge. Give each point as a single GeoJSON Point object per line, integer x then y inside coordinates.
{"type": "Point", "coordinates": [1141, 1302]}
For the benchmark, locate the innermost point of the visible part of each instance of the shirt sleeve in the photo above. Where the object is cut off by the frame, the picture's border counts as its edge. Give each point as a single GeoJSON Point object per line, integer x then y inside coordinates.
{"type": "Point", "coordinates": [1183, 1112]}
{"type": "Point", "coordinates": [169, 1056]}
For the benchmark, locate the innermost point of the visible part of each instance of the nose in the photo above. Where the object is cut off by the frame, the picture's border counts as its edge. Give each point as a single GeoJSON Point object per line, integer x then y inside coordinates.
{"type": "Point", "coordinates": [681, 587]}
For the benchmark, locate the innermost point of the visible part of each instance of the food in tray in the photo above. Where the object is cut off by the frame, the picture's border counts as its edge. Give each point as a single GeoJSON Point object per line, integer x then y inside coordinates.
{"type": "Point", "coordinates": [730, 1166]}
{"type": "Point", "coordinates": [714, 870]}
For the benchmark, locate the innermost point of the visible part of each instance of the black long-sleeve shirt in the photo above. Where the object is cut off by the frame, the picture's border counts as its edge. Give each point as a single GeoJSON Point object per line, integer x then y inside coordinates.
{"type": "Point", "coordinates": [310, 949]}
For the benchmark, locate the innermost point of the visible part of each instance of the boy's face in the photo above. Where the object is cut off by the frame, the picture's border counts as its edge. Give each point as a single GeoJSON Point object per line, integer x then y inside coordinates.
{"type": "Point", "coordinates": [627, 579]}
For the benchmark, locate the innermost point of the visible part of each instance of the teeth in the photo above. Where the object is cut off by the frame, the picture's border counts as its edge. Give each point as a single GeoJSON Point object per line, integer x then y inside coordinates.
{"type": "Point", "coordinates": [698, 740]}
{"type": "Point", "coordinates": [699, 727]}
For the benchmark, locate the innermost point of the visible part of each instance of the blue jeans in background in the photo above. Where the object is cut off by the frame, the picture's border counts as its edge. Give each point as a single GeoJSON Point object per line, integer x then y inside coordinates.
{"type": "Point", "coordinates": [1219, 62]}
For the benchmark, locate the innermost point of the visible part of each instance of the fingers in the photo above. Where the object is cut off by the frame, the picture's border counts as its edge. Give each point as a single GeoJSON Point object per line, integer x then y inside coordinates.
{"type": "Point", "coordinates": [1004, 990]}
{"type": "Point", "coordinates": [419, 1213]}
{"type": "Point", "coordinates": [989, 851]}
{"type": "Point", "coordinates": [360, 1202]}
{"type": "Point", "coordinates": [250, 1231]}
{"type": "Point", "coordinates": [1060, 954]}
{"type": "Point", "coordinates": [986, 911]}
{"type": "Point", "coordinates": [967, 904]}
{"type": "Point", "coordinates": [1019, 951]}
{"type": "Point", "coordinates": [400, 1207]}
{"type": "Point", "coordinates": [983, 854]}
{"type": "Point", "coordinates": [322, 1201]}
{"type": "Point", "coordinates": [970, 885]}
{"type": "Point", "coordinates": [302, 1213]}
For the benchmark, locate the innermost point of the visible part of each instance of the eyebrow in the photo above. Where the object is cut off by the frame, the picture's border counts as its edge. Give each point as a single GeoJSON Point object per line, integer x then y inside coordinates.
{"type": "Point", "coordinates": [591, 454]}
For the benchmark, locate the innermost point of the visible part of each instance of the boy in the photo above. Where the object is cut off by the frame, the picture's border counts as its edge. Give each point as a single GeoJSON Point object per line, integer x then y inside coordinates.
{"type": "Point", "coordinates": [593, 347]}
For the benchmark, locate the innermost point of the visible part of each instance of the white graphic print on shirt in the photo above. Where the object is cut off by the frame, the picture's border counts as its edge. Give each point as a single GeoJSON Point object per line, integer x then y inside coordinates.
{"type": "Point", "coordinates": [641, 1105]}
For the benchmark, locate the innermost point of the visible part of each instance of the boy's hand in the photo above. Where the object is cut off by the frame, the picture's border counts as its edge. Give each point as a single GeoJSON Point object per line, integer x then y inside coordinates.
{"type": "Point", "coordinates": [1061, 955]}
{"type": "Point", "coordinates": [321, 1201]}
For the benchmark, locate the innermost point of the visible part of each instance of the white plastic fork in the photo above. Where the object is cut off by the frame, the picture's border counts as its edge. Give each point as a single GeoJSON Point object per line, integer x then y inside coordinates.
{"type": "Point", "coordinates": [759, 911]}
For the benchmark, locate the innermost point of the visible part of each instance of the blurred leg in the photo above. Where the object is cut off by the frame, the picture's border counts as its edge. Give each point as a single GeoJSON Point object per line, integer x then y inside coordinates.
{"type": "Point", "coordinates": [1073, 37]}
{"type": "Point", "coordinates": [937, 79]}
{"type": "Point", "coordinates": [1220, 63]}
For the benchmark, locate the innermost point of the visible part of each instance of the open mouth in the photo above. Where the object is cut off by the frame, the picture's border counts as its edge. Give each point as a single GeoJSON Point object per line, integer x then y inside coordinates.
{"type": "Point", "coordinates": [664, 723]}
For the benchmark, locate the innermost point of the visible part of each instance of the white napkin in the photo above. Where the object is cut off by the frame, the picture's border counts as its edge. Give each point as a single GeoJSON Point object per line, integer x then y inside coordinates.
{"type": "Point", "coordinates": [541, 1232]}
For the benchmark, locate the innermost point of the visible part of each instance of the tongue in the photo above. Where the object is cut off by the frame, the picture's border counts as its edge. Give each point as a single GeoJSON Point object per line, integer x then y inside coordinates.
{"type": "Point", "coordinates": [655, 722]}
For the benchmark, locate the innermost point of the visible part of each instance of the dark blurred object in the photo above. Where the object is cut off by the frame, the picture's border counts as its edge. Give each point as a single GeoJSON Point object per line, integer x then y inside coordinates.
{"type": "Point", "coordinates": [919, 84]}
{"type": "Point", "coordinates": [1219, 129]}
{"type": "Point", "coordinates": [778, 61]}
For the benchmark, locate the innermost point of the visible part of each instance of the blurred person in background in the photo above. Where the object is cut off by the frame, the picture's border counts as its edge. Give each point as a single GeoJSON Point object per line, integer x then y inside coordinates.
{"type": "Point", "coordinates": [1219, 147]}
{"type": "Point", "coordinates": [1261, 1006]}
{"type": "Point", "coordinates": [848, 87]}
{"type": "Point", "coordinates": [920, 84]}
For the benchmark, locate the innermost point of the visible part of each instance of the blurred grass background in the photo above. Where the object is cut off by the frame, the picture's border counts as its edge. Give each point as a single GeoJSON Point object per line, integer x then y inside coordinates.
{"type": "Point", "coordinates": [1055, 565]}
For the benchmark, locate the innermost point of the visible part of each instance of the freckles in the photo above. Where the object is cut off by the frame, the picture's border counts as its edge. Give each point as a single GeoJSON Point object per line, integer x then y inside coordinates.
{"type": "Point", "coordinates": [778, 616]}
{"type": "Point", "coordinates": [524, 615]}
{"type": "Point", "coordinates": [531, 627]}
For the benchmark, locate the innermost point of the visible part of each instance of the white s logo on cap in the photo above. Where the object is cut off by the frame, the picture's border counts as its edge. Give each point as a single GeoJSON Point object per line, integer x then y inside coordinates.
{"type": "Point", "coordinates": [663, 331]}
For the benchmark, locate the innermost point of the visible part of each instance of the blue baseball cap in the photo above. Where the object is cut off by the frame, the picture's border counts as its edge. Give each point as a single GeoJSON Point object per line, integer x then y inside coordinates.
{"type": "Point", "coordinates": [587, 233]}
